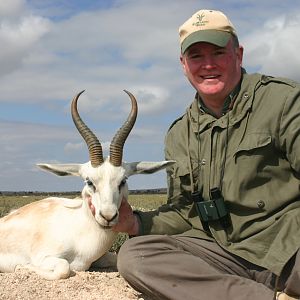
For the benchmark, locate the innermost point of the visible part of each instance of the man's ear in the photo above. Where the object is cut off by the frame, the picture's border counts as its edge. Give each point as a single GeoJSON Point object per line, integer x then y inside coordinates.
{"type": "Point", "coordinates": [240, 53]}
{"type": "Point", "coordinates": [182, 61]}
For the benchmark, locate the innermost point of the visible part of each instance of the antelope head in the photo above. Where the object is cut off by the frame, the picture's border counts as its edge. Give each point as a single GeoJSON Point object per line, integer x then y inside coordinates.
{"type": "Point", "coordinates": [105, 179]}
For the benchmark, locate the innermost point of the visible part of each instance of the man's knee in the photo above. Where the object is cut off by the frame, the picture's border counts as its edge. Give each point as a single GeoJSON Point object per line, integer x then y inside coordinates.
{"type": "Point", "coordinates": [136, 258]}
{"type": "Point", "coordinates": [127, 258]}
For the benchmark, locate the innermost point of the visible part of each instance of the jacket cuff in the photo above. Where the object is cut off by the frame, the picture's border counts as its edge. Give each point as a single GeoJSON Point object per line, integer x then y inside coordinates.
{"type": "Point", "coordinates": [141, 231]}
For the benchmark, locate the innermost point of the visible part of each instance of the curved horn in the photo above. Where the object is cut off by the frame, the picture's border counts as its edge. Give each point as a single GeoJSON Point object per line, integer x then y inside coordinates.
{"type": "Point", "coordinates": [95, 149]}
{"type": "Point", "coordinates": [116, 146]}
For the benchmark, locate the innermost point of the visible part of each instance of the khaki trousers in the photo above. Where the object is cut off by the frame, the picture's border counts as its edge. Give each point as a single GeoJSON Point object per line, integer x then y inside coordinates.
{"type": "Point", "coordinates": [184, 268]}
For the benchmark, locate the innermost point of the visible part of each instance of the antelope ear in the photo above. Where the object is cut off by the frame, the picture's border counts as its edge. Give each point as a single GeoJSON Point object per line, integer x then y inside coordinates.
{"type": "Point", "coordinates": [146, 167]}
{"type": "Point", "coordinates": [62, 169]}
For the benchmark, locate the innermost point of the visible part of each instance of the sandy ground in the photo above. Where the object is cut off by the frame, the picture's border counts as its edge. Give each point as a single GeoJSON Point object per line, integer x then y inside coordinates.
{"type": "Point", "coordinates": [91, 285]}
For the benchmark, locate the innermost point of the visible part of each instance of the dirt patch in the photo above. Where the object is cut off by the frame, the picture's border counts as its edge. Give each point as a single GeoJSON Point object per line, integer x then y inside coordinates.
{"type": "Point", "coordinates": [91, 285]}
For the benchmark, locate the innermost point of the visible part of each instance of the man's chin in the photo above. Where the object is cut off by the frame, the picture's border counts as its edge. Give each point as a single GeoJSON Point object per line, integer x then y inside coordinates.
{"type": "Point", "coordinates": [210, 86]}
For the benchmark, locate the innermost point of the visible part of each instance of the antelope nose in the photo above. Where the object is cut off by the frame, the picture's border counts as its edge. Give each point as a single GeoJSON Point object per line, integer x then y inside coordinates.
{"type": "Point", "coordinates": [108, 217]}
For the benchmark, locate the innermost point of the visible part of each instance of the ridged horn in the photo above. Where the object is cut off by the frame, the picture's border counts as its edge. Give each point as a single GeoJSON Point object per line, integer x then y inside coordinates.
{"type": "Point", "coordinates": [117, 144]}
{"type": "Point", "coordinates": [94, 146]}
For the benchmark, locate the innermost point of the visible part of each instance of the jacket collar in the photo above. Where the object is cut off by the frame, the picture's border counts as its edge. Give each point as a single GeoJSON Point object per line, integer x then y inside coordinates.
{"type": "Point", "coordinates": [241, 105]}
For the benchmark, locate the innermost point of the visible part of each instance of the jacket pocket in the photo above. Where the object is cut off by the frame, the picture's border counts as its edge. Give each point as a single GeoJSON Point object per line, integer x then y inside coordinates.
{"type": "Point", "coordinates": [179, 178]}
{"type": "Point", "coordinates": [181, 168]}
{"type": "Point", "coordinates": [254, 144]}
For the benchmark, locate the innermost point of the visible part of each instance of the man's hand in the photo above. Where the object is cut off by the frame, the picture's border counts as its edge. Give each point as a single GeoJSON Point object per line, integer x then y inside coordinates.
{"type": "Point", "coordinates": [128, 221]}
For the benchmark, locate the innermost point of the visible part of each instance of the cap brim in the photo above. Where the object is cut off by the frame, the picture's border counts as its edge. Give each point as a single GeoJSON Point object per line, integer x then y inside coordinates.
{"type": "Point", "coordinates": [216, 37]}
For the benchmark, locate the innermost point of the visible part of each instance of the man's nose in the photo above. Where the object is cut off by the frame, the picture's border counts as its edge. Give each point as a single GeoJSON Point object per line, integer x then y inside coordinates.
{"type": "Point", "coordinates": [208, 62]}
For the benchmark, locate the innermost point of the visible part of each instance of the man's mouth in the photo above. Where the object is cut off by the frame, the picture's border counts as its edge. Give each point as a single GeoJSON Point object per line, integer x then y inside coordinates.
{"type": "Point", "coordinates": [210, 76]}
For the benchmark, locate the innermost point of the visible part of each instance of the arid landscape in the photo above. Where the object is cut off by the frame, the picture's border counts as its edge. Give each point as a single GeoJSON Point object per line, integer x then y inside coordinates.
{"type": "Point", "coordinates": [100, 284]}
{"type": "Point", "coordinates": [91, 285]}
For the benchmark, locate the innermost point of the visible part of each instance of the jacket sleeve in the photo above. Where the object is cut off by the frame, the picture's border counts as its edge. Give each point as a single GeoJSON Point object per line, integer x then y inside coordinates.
{"type": "Point", "coordinates": [289, 133]}
{"type": "Point", "coordinates": [171, 218]}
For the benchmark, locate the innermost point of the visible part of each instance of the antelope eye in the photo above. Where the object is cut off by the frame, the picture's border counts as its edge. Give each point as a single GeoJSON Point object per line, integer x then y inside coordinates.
{"type": "Point", "coordinates": [122, 182]}
{"type": "Point", "coordinates": [89, 183]}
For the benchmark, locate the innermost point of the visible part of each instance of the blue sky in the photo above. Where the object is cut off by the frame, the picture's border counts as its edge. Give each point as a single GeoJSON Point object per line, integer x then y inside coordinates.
{"type": "Point", "coordinates": [52, 49]}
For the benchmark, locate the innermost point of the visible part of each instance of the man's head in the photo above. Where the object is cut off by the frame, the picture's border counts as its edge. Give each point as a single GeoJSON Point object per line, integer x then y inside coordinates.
{"type": "Point", "coordinates": [209, 26]}
{"type": "Point", "coordinates": [210, 55]}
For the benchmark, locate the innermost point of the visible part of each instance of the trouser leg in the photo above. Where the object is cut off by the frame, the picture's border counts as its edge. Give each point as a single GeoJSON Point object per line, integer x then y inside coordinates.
{"type": "Point", "coordinates": [182, 268]}
{"type": "Point", "coordinates": [292, 272]}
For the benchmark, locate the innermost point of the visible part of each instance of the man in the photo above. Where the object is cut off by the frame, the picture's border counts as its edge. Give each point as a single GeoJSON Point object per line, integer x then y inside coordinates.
{"type": "Point", "coordinates": [231, 227]}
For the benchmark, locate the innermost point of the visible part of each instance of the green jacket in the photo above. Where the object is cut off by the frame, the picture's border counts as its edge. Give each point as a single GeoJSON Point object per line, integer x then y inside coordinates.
{"type": "Point", "coordinates": [258, 141]}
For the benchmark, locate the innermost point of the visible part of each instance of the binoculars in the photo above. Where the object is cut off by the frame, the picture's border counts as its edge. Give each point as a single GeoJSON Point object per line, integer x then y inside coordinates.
{"type": "Point", "coordinates": [213, 209]}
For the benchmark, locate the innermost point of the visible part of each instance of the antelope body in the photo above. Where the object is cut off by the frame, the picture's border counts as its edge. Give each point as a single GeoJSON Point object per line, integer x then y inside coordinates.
{"type": "Point", "coordinates": [56, 236]}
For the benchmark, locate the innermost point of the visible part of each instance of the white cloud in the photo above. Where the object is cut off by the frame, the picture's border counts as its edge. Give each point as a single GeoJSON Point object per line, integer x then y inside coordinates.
{"type": "Point", "coordinates": [11, 8]}
{"type": "Point", "coordinates": [52, 51]}
{"type": "Point", "coordinates": [273, 49]}
{"type": "Point", "coordinates": [18, 34]}
{"type": "Point", "coordinates": [152, 99]}
{"type": "Point", "coordinates": [70, 147]}
{"type": "Point", "coordinates": [100, 51]}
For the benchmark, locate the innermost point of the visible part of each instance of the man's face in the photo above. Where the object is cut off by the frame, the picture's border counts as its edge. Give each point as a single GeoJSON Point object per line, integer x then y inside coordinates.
{"type": "Point", "coordinates": [213, 71]}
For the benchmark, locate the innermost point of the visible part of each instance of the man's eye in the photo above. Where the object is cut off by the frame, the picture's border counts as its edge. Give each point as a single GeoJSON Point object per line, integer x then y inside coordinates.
{"type": "Point", "coordinates": [195, 56]}
{"type": "Point", "coordinates": [220, 52]}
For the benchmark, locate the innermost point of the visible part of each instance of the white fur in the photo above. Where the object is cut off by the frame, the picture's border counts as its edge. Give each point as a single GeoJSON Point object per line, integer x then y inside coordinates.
{"type": "Point", "coordinates": [55, 235]}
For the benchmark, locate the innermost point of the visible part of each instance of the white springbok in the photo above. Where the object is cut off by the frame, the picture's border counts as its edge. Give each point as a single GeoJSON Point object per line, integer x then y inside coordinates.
{"type": "Point", "coordinates": [56, 236]}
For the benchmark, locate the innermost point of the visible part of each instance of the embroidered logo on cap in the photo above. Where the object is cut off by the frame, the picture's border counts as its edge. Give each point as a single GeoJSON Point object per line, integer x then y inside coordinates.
{"type": "Point", "coordinates": [200, 21]}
